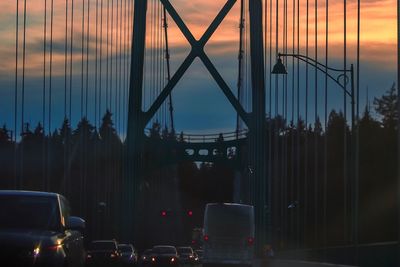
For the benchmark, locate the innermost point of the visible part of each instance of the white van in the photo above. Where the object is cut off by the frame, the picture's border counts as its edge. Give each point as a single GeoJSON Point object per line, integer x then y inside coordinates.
{"type": "Point", "coordinates": [228, 234]}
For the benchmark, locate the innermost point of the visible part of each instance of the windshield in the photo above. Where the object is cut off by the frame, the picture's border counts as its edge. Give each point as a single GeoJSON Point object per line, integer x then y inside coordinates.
{"type": "Point", "coordinates": [106, 245]}
{"type": "Point", "coordinates": [184, 250]}
{"type": "Point", "coordinates": [164, 250]}
{"type": "Point", "coordinates": [125, 248]}
{"type": "Point", "coordinates": [29, 212]}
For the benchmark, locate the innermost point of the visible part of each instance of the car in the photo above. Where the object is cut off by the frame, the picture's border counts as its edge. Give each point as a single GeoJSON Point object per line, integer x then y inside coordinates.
{"type": "Point", "coordinates": [146, 257]}
{"type": "Point", "coordinates": [199, 253]}
{"type": "Point", "coordinates": [128, 254]}
{"type": "Point", "coordinates": [164, 256]}
{"type": "Point", "coordinates": [229, 231]}
{"type": "Point", "coordinates": [36, 229]}
{"type": "Point", "coordinates": [186, 255]}
{"type": "Point", "coordinates": [103, 252]}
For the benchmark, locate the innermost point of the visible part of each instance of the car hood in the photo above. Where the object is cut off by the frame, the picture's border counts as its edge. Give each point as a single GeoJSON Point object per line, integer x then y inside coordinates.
{"type": "Point", "coordinates": [28, 238]}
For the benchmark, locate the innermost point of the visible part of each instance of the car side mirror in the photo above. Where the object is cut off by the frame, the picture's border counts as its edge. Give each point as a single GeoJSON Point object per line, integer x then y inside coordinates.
{"type": "Point", "coordinates": [76, 224]}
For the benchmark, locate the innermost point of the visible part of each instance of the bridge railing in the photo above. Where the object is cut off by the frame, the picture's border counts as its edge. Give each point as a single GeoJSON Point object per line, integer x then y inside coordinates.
{"type": "Point", "coordinates": [208, 138]}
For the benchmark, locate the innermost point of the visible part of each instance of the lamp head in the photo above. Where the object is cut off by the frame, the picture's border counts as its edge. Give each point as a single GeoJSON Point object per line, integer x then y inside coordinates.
{"type": "Point", "coordinates": [279, 68]}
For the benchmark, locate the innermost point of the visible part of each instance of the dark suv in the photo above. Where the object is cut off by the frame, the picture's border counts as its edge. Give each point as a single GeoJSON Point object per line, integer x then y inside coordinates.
{"type": "Point", "coordinates": [36, 229]}
{"type": "Point", "coordinates": [104, 253]}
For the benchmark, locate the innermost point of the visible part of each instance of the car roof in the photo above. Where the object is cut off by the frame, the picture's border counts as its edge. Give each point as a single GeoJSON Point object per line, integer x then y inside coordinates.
{"type": "Point", "coordinates": [163, 246]}
{"type": "Point", "coordinates": [125, 245]}
{"type": "Point", "coordinates": [183, 247]}
{"type": "Point", "coordinates": [230, 204]}
{"type": "Point", "coordinates": [28, 193]}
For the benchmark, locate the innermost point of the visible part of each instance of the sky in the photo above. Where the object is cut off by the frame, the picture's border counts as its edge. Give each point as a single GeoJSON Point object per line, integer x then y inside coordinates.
{"type": "Point", "coordinates": [199, 105]}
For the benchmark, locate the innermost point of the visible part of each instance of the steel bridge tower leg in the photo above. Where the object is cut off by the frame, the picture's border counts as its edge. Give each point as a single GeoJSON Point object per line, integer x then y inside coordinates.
{"type": "Point", "coordinates": [135, 131]}
{"type": "Point", "coordinates": [257, 141]}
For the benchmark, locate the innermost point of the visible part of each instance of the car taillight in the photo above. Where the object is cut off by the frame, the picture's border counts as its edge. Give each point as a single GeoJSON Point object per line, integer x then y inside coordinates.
{"type": "Point", "coordinates": [206, 237]}
{"type": "Point", "coordinates": [113, 255]}
{"type": "Point", "coordinates": [53, 248]}
{"type": "Point", "coordinates": [250, 241]}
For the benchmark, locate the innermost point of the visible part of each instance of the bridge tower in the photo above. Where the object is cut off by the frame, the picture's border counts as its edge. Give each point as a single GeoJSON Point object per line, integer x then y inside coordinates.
{"type": "Point", "coordinates": [255, 120]}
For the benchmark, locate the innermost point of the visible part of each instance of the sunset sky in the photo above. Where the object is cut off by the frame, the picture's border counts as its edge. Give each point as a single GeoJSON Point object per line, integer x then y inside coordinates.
{"type": "Point", "coordinates": [199, 104]}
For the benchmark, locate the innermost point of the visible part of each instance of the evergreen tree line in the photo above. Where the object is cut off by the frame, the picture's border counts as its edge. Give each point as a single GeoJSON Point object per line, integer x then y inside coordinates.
{"type": "Point", "coordinates": [86, 164]}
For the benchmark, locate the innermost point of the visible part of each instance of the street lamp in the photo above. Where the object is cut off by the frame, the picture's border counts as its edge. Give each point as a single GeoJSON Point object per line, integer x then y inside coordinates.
{"type": "Point", "coordinates": [279, 68]}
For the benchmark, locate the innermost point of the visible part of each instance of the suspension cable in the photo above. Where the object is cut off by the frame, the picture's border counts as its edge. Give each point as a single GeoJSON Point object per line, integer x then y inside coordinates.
{"type": "Point", "coordinates": [240, 58]}
{"type": "Point", "coordinates": [316, 134]}
{"type": "Point", "coordinates": [71, 59]}
{"type": "Point", "coordinates": [306, 133]}
{"type": "Point", "coordinates": [44, 95]}
{"type": "Point", "coordinates": [325, 209]}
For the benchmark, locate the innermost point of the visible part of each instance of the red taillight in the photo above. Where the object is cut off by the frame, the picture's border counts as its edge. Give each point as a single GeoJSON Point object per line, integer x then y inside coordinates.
{"type": "Point", "coordinates": [206, 237]}
{"type": "Point", "coordinates": [193, 242]}
{"type": "Point", "coordinates": [53, 248]}
{"type": "Point", "coordinates": [250, 241]}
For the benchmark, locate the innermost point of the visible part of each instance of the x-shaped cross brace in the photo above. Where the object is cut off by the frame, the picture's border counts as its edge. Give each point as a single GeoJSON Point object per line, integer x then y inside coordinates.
{"type": "Point", "coordinates": [197, 51]}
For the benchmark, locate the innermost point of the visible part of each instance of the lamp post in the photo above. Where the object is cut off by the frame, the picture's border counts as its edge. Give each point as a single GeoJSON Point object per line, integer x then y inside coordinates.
{"type": "Point", "coordinates": [279, 68]}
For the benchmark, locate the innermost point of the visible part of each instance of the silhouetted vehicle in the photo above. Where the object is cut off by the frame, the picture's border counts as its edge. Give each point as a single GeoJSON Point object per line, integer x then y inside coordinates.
{"type": "Point", "coordinates": [228, 234]}
{"type": "Point", "coordinates": [164, 256]}
{"type": "Point", "coordinates": [36, 229]}
{"type": "Point", "coordinates": [103, 253]}
{"type": "Point", "coordinates": [186, 255]}
{"type": "Point", "coordinates": [199, 253]}
{"type": "Point", "coordinates": [146, 257]}
{"type": "Point", "coordinates": [129, 256]}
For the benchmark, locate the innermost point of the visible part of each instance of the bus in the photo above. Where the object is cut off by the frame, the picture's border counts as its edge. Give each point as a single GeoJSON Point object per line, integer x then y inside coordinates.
{"type": "Point", "coordinates": [228, 234]}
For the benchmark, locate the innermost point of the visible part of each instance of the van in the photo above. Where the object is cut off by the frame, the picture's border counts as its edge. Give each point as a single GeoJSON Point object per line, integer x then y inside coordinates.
{"type": "Point", "coordinates": [228, 234]}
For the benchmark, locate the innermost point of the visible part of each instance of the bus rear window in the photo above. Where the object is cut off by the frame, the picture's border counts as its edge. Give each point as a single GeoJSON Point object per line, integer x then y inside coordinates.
{"type": "Point", "coordinates": [228, 221]}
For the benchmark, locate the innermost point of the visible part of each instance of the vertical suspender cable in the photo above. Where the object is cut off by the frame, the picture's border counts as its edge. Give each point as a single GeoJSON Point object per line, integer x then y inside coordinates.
{"type": "Point", "coordinates": [120, 68]}
{"type": "Point", "coordinates": [16, 180]}
{"type": "Point", "coordinates": [107, 54]}
{"type": "Point", "coordinates": [298, 132]}
{"type": "Point", "coordinates": [116, 66]}
{"type": "Point", "coordinates": [284, 137]}
{"type": "Point", "coordinates": [65, 60]}
{"type": "Point", "coordinates": [306, 136]}
{"type": "Point", "coordinates": [44, 96]}
{"type": "Point", "coordinates": [101, 61]}
{"type": "Point", "coordinates": [87, 61]}
{"type": "Point", "coordinates": [82, 53]}
{"type": "Point", "coordinates": [357, 133]}
{"type": "Point", "coordinates": [71, 60]}
{"type": "Point", "coordinates": [316, 133]}
{"type": "Point", "coordinates": [398, 126]}
{"type": "Point", "coordinates": [112, 54]}
{"type": "Point", "coordinates": [65, 161]}
{"type": "Point", "coordinates": [23, 93]}
{"type": "Point", "coordinates": [50, 94]}
{"type": "Point", "coordinates": [325, 190]}
{"type": "Point", "coordinates": [270, 208]}
{"type": "Point", "coordinates": [96, 66]}
{"type": "Point", "coordinates": [240, 58]}
{"type": "Point", "coordinates": [292, 149]}
{"type": "Point", "coordinates": [345, 178]}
